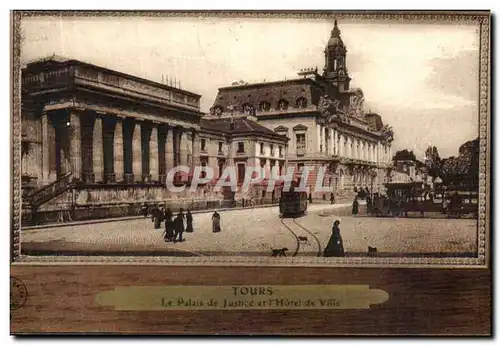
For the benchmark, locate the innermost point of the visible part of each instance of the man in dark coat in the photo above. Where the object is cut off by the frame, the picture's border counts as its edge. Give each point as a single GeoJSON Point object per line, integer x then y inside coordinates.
{"type": "Point", "coordinates": [179, 226]}
{"type": "Point", "coordinates": [189, 221]}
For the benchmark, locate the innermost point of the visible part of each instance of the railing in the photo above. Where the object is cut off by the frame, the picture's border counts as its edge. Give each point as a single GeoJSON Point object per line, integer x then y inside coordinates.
{"type": "Point", "coordinates": [109, 177]}
{"type": "Point", "coordinates": [50, 191]}
{"type": "Point", "coordinates": [128, 178]}
{"type": "Point", "coordinates": [146, 178]}
{"type": "Point", "coordinates": [88, 178]}
{"type": "Point", "coordinates": [63, 76]}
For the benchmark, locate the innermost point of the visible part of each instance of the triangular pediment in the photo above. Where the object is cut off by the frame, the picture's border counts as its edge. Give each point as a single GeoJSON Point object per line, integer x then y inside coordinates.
{"type": "Point", "coordinates": [300, 128]}
{"type": "Point", "coordinates": [281, 129]}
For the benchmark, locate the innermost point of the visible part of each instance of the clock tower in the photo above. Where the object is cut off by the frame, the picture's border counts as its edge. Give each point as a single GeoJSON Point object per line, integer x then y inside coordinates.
{"type": "Point", "coordinates": [335, 70]}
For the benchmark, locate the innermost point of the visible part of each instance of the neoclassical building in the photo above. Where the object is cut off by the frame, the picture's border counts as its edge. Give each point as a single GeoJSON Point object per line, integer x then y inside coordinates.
{"type": "Point", "coordinates": [100, 142]}
{"type": "Point", "coordinates": [324, 121]}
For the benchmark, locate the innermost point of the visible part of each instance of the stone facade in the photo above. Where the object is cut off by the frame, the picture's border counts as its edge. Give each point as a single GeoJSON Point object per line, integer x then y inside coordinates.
{"type": "Point", "coordinates": [324, 122]}
{"type": "Point", "coordinates": [108, 139]}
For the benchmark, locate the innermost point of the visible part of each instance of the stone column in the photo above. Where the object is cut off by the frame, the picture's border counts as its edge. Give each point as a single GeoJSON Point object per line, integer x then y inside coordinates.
{"type": "Point", "coordinates": [378, 152]}
{"type": "Point", "coordinates": [118, 166]}
{"type": "Point", "coordinates": [340, 145]}
{"type": "Point", "coordinates": [137, 153]}
{"type": "Point", "coordinates": [75, 145]}
{"type": "Point", "coordinates": [169, 150]}
{"type": "Point", "coordinates": [318, 134]}
{"type": "Point", "coordinates": [323, 139]}
{"type": "Point", "coordinates": [45, 149]}
{"type": "Point", "coordinates": [153, 153]}
{"type": "Point", "coordinates": [333, 141]}
{"type": "Point", "coordinates": [196, 149]}
{"type": "Point", "coordinates": [184, 148]}
{"type": "Point", "coordinates": [98, 150]}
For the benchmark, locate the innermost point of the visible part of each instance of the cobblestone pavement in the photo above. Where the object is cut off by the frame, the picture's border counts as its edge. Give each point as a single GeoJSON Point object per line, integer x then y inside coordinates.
{"type": "Point", "coordinates": [257, 231]}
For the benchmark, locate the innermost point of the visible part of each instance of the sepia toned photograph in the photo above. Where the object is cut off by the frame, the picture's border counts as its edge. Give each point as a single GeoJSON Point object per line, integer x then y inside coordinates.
{"type": "Point", "coordinates": [288, 139]}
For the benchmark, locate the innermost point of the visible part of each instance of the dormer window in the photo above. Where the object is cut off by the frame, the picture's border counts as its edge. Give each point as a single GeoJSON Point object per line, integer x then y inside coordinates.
{"type": "Point", "coordinates": [282, 104]}
{"type": "Point", "coordinates": [301, 102]}
{"type": "Point", "coordinates": [264, 106]}
{"type": "Point", "coordinates": [217, 111]}
{"type": "Point", "coordinates": [248, 109]}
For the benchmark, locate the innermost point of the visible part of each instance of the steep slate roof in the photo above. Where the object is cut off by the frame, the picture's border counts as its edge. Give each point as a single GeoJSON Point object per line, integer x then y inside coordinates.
{"type": "Point", "coordinates": [241, 126]}
{"type": "Point", "coordinates": [289, 90]}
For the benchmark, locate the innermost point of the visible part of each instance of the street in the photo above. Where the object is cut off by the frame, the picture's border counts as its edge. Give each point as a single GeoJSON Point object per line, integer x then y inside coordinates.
{"type": "Point", "coordinates": [257, 231]}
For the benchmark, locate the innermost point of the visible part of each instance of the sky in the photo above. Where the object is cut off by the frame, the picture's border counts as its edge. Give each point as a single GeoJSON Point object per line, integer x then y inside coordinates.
{"type": "Point", "coordinates": [421, 78]}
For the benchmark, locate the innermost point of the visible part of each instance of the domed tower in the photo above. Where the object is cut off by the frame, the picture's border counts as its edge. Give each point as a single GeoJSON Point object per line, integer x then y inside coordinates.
{"type": "Point", "coordinates": [335, 69]}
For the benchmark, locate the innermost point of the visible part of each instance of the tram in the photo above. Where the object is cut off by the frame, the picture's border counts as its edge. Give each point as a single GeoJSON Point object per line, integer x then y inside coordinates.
{"type": "Point", "coordinates": [293, 203]}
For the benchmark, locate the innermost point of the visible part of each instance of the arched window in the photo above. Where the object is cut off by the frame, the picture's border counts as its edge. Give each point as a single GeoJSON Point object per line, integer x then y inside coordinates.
{"type": "Point", "coordinates": [264, 106]}
{"type": "Point", "coordinates": [248, 109]}
{"type": "Point", "coordinates": [217, 110]}
{"type": "Point", "coordinates": [282, 104]}
{"type": "Point", "coordinates": [301, 102]}
{"type": "Point", "coordinates": [340, 64]}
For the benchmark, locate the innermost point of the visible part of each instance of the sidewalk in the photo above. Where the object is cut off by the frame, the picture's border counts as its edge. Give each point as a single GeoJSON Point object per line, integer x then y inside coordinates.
{"type": "Point", "coordinates": [313, 207]}
{"type": "Point", "coordinates": [119, 219]}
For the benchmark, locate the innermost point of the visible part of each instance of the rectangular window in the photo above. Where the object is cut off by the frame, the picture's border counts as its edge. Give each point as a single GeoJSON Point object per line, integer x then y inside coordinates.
{"type": "Point", "coordinates": [241, 173]}
{"type": "Point", "coordinates": [261, 148]}
{"type": "Point", "coordinates": [221, 168]}
{"type": "Point", "coordinates": [241, 147]}
{"type": "Point", "coordinates": [203, 145]}
{"type": "Point", "coordinates": [301, 144]}
{"type": "Point", "coordinates": [272, 150]}
{"type": "Point", "coordinates": [280, 151]}
{"type": "Point", "coordinates": [220, 146]}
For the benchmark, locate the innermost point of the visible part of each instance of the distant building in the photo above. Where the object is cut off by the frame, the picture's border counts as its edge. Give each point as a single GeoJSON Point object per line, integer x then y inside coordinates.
{"type": "Point", "coordinates": [324, 120]}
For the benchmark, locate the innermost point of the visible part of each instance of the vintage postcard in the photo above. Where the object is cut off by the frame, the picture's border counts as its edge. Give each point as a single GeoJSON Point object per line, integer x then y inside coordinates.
{"type": "Point", "coordinates": [265, 139]}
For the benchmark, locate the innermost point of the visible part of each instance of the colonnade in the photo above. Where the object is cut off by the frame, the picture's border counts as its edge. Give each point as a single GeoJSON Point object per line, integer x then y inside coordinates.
{"type": "Point", "coordinates": [334, 142]}
{"type": "Point", "coordinates": [97, 148]}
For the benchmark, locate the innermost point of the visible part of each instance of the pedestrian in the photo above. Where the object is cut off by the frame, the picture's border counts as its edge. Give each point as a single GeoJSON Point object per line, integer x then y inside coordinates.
{"type": "Point", "coordinates": [335, 246]}
{"type": "Point", "coordinates": [169, 226]}
{"type": "Point", "coordinates": [355, 206]}
{"type": "Point", "coordinates": [216, 222]}
{"type": "Point", "coordinates": [332, 198]}
{"type": "Point", "coordinates": [179, 226]}
{"type": "Point", "coordinates": [310, 198]}
{"type": "Point", "coordinates": [144, 210]}
{"type": "Point", "coordinates": [158, 217]}
{"type": "Point", "coordinates": [369, 204]}
{"type": "Point", "coordinates": [154, 212]}
{"type": "Point", "coordinates": [189, 221]}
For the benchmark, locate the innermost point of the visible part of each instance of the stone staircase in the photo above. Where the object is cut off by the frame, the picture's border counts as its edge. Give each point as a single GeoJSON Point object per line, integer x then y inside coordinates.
{"type": "Point", "coordinates": [32, 201]}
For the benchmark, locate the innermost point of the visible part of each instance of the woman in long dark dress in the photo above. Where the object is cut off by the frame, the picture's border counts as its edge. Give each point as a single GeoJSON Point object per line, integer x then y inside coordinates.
{"type": "Point", "coordinates": [355, 206]}
{"type": "Point", "coordinates": [189, 221]}
{"type": "Point", "coordinates": [169, 226]}
{"type": "Point", "coordinates": [216, 222]}
{"type": "Point", "coordinates": [335, 246]}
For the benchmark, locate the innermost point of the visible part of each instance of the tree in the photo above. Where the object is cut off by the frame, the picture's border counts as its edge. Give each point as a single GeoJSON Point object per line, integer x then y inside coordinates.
{"type": "Point", "coordinates": [463, 170]}
{"type": "Point", "coordinates": [404, 155]}
{"type": "Point", "coordinates": [433, 162]}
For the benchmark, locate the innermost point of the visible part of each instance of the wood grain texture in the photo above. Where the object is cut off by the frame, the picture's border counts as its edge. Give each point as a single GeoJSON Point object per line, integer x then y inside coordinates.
{"type": "Point", "coordinates": [422, 301]}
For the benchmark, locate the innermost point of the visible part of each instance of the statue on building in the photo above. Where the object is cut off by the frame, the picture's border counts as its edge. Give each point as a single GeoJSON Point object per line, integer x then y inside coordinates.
{"type": "Point", "coordinates": [356, 103]}
{"type": "Point", "coordinates": [387, 134]}
{"type": "Point", "coordinates": [331, 109]}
